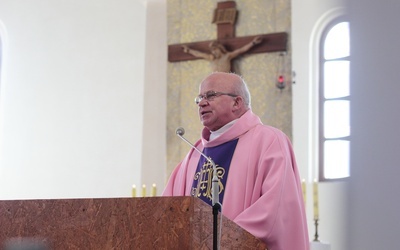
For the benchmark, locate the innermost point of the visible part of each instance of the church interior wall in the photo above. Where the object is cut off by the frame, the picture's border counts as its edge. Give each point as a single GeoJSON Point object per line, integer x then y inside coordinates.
{"type": "Point", "coordinates": [72, 103]}
{"type": "Point", "coordinates": [71, 98]}
{"type": "Point", "coordinates": [306, 33]}
{"type": "Point", "coordinates": [373, 205]}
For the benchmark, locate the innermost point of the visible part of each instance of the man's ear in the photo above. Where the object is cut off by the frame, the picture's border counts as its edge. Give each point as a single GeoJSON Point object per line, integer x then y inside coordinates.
{"type": "Point", "coordinates": [239, 103]}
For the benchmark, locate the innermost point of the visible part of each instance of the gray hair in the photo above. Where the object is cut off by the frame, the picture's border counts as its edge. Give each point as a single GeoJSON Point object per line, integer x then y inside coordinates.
{"type": "Point", "coordinates": [238, 85]}
{"type": "Point", "coordinates": [240, 88]}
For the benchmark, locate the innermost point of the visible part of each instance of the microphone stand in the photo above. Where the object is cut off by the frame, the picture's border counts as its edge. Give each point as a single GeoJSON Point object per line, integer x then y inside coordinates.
{"type": "Point", "coordinates": [216, 206]}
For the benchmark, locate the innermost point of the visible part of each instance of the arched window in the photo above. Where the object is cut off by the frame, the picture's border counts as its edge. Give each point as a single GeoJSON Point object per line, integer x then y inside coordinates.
{"type": "Point", "coordinates": [334, 102]}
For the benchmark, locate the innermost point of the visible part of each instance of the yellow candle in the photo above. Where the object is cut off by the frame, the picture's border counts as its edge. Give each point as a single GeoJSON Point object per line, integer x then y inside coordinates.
{"type": "Point", "coordinates": [153, 190]}
{"type": "Point", "coordinates": [143, 190]}
{"type": "Point", "coordinates": [316, 209]}
{"type": "Point", "coordinates": [304, 188]}
{"type": "Point", "coordinates": [133, 190]}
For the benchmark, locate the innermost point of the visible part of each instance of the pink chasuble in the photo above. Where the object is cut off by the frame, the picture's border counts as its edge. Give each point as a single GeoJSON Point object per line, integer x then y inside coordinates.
{"type": "Point", "coordinates": [263, 191]}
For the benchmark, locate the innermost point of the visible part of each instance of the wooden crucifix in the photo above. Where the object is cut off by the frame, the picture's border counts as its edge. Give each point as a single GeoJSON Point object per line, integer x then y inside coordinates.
{"type": "Point", "coordinates": [222, 51]}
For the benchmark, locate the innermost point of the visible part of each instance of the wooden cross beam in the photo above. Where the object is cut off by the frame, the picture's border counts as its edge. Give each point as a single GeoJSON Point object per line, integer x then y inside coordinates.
{"type": "Point", "coordinates": [225, 18]}
{"type": "Point", "coordinates": [270, 43]}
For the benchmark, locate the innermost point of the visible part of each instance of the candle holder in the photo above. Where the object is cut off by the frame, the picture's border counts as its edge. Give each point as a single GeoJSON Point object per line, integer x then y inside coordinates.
{"type": "Point", "coordinates": [316, 230]}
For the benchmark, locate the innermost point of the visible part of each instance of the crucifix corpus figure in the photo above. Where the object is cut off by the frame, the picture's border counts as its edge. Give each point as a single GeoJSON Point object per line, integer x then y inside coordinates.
{"type": "Point", "coordinates": [220, 57]}
{"type": "Point", "coordinates": [227, 47]}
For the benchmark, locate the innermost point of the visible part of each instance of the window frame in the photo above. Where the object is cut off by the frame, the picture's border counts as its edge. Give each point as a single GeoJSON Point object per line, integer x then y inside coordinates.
{"type": "Point", "coordinates": [322, 100]}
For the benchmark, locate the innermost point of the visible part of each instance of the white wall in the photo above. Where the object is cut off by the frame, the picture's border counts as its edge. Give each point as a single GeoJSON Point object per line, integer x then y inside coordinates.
{"type": "Point", "coordinates": [374, 203]}
{"type": "Point", "coordinates": [308, 19]}
{"type": "Point", "coordinates": [362, 213]}
{"type": "Point", "coordinates": [155, 92]}
{"type": "Point", "coordinates": [72, 100]}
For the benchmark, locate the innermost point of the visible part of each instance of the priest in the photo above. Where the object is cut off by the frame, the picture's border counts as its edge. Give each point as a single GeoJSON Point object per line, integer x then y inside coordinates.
{"type": "Point", "coordinates": [259, 183]}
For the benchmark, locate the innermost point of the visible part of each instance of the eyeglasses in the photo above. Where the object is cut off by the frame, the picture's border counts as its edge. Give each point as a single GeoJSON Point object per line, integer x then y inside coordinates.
{"type": "Point", "coordinates": [210, 95]}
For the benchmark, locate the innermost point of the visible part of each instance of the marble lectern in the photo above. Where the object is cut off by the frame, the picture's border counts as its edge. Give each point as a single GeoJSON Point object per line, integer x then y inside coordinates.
{"type": "Point", "coordinates": [117, 223]}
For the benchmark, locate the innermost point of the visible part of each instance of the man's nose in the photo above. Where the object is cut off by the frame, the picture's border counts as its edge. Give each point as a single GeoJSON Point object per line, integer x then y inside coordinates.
{"type": "Point", "coordinates": [203, 102]}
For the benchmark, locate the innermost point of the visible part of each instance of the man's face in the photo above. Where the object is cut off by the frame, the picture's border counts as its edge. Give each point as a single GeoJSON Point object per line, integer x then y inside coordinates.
{"type": "Point", "coordinates": [217, 111]}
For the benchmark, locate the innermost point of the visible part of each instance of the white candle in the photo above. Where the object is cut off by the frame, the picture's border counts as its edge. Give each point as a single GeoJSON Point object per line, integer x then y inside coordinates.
{"type": "Point", "coordinates": [153, 190]}
{"type": "Point", "coordinates": [143, 190]}
{"type": "Point", "coordinates": [304, 189]}
{"type": "Point", "coordinates": [316, 209]}
{"type": "Point", "coordinates": [133, 190]}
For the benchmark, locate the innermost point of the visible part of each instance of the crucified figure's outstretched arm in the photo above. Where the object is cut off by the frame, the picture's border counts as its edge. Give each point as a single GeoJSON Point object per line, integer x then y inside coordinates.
{"type": "Point", "coordinates": [219, 57]}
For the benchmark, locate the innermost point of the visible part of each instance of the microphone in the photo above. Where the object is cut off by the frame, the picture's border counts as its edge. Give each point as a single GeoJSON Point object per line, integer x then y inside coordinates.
{"type": "Point", "coordinates": [215, 185]}
{"type": "Point", "coordinates": [180, 131]}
